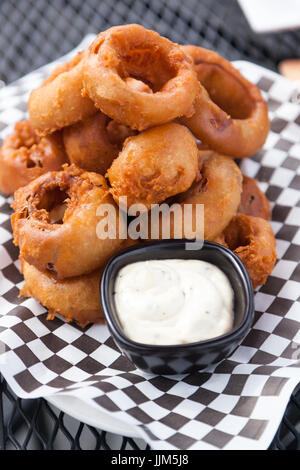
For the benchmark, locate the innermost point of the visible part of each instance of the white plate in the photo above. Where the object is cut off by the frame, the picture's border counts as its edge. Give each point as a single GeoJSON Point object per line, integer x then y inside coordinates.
{"type": "Point", "coordinates": [90, 415]}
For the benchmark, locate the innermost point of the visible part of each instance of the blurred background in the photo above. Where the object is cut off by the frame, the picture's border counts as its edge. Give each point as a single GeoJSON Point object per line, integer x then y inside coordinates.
{"type": "Point", "coordinates": [34, 32]}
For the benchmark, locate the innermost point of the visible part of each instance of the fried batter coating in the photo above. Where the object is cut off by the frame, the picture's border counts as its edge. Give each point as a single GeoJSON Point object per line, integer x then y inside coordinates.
{"type": "Point", "coordinates": [137, 85]}
{"type": "Point", "coordinates": [154, 165]}
{"type": "Point", "coordinates": [58, 102]}
{"type": "Point", "coordinates": [231, 115]}
{"type": "Point", "coordinates": [218, 188]}
{"type": "Point", "coordinates": [253, 240]}
{"type": "Point", "coordinates": [25, 156]}
{"type": "Point", "coordinates": [56, 219]}
{"type": "Point", "coordinates": [92, 144]}
{"type": "Point", "coordinates": [132, 51]}
{"type": "Point", "coordinates": [254, 201]}
{"type": "Point", "coordinates": [77, 298]}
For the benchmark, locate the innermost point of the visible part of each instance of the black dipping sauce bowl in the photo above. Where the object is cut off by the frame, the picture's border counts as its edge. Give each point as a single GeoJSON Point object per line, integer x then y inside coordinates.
{"type": "Point", "coordinates": [189, 357]}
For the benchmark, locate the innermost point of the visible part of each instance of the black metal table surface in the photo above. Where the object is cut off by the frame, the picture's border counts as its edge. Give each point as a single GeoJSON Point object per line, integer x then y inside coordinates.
{"type": "Point", "coordinates": [35, 32]}
{"type": "Point", "coordinates": [37, 425]}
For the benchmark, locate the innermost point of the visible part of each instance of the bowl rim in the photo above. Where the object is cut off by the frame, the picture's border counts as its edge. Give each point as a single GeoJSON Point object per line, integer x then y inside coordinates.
{"type": "Point", "coordinates": [226, 338]}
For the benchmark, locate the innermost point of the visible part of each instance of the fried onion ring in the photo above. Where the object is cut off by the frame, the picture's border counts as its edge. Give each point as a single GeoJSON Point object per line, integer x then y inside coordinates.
{"type": "Point", "coordinates": [253, 241]}
{"type": "Point", "coordinates": [133, 51]}
{"type": "Point", "coordinates": [77, 299]}
{"type": "Point", "coordinates": [58, 101]}
{"type": "Point", "coordinates": [25, 156]}
{"type": "Point", "coordinates": [154, 165]}
{"type": "Point", "coordinates": [231, 115]}
{"type": "Point", "coordinates": [92, 144]}
{"type": "Point", "coordinates": [253, 200]}
{"type": "Point", "coordinates": [218, 189]}
{"type": "Point", "coordinates": [55, 222]}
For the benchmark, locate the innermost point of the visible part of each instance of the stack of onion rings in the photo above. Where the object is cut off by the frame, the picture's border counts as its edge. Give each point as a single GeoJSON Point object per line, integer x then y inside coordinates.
{"type": "Point", "coordinates": [130, 108]}
{"type": "Point", "coordinates": [231, 115]}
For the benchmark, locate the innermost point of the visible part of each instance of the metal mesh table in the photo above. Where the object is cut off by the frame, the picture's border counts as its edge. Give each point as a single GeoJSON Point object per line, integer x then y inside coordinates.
{"type": "Point", "coordinates": [34, 32]}
{"type": "Point", "coordinates": [35, 425]}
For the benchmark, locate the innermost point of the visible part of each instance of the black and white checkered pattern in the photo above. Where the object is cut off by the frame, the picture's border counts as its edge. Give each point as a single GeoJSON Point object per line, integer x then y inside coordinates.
{"type": "Point", "coordinates": [239, 403]}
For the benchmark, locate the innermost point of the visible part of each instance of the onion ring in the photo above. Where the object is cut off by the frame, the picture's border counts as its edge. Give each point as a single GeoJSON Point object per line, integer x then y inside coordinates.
{"type": "Point", "coordinates": [93, 144]}
{"type": "Point", "coordinates": [219, 189]}
{"type": "Point", "coordinates": [55, 222]}
{"type": "Point", "coordinates": [58, 101]}
{"type": "Point", "coordinates": [231, 115]}
{"type": "Point", "coordinates": [253, 241]}
{"type": "Point", "coordinates": [77, 299]}
{"type": "Point", "coordinates": [133, 51]}
{"type": "Point", "coordinates": [154, 165]}
{"type": "Point", "coordinates": [25, 156]}
{"type": "Point", "coordinates": [253, 200]}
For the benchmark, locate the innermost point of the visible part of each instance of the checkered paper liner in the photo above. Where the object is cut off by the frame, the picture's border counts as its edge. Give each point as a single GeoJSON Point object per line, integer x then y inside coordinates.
{"type": "Point", "coordinates": [237, 404]}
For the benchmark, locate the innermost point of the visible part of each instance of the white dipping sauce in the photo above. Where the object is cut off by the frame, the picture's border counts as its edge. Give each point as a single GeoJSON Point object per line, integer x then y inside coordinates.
{"type": "Point", "coordinates": [173, 301]}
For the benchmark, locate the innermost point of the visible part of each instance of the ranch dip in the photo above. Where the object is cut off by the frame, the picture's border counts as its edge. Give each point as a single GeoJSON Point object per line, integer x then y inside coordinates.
{"type": "Point", "coordinates": [173, 301]}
